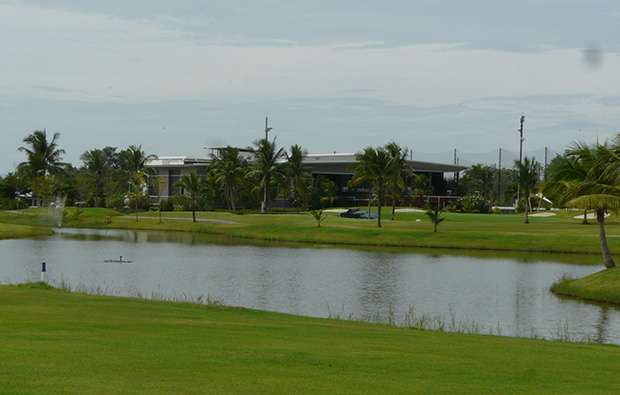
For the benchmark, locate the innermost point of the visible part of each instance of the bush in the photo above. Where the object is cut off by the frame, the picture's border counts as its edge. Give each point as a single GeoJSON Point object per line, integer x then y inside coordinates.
{"type": "Point", "coordinates": [181, 203]}
{"type": "Point", "coordinates": [473, 204]}
{"type": "Point", "coordinates": [166, 205]}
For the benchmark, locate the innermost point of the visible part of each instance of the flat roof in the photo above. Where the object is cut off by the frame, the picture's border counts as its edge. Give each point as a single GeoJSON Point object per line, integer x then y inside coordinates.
{"type": "Point", "coordinates": [336, 163]}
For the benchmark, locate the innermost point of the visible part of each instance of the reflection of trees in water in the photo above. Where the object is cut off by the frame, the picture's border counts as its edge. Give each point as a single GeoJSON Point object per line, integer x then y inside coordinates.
{"type": "Point", "coordinates": [602, 324]}
{"type": "Point", "coordinates": [379, 275]}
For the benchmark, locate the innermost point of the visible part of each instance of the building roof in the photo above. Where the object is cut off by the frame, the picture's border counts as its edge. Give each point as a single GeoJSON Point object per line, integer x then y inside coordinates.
{"type": "Point", "coordinates": [345, 163]}
{"type": "Point", "coordinates": [320, 163]}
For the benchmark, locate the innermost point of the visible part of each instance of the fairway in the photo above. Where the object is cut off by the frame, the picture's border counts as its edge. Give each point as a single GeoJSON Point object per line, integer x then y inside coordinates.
{"type": "Point", "coordinates": [57, 342]}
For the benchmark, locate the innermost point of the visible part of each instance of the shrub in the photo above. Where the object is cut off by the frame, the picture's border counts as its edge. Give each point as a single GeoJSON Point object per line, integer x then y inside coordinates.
{"type": "Point", "coordinates": [166, 205]}
{"type": "Point", "coordinates": [473, 204]}
{"type": "Point", "coordinates": [181, 202]}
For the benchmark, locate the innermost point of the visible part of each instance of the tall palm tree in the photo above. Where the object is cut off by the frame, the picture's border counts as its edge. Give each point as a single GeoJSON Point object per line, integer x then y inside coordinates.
{"type": "Point", "coordinates": [299, 174]}
{"type": "Point", "coordinates": [480, 178]}
{"type": "Point", "coordinates": [528, 178]}
{"type": "Point", "coordinates": [570, 167]}
{"type": "Point", "coordinates": [228, 170]}
{"type": "Point", "coordinates": [265, 167]}
{"type": "Point", "coordinates": [420, 187]}
{"type": "Point", "coordinates": [43, 157]}
{"type": "Point", "coordinates": [598, 190]}
{"type": "Point", "coordinates": [399, 169]}
{"type": "Point", "coordinates": [94, 160]}
{"type": "Point", "coordinates": [194, 187]}
{"type": "Point", "coordinates": [133, 159]}
{"type": "Point", "coordinates": [374, 167]}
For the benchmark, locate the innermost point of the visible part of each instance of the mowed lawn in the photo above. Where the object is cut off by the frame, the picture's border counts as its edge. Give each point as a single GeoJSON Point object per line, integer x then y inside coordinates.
{"type": "Point", "coordinates": [52, 341]}
{"type": "Point", "coordinates": [558, 233]}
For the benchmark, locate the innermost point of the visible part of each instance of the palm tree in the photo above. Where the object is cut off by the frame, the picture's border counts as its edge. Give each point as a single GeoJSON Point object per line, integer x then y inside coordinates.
{"type": "Point", "coordinates": [194, 187]}
{"type": "Point", "coordinates": [573, 166]}
{"type": "Point", "coordinates": [228, 170]}
{"type": "Point", "coordinates": [94, 160]}
{"type": "Point", "coordinates": [43, 157]}
{"type": "Point", "coordinates": [399, 169]}
{"type": "Point", "coordinates": [528, 178]}
{"type": "Point", "coordinates": [299, 174]}
{"type": "Point", "coordinates": [434, 214]}
{"type": "Point", "coordinates": [265, 167]}
{"type": "Point", "coordinates": [480, 178]}
{"type": "Point", "coordinates": [598, 190]}
{"type": "Point", "coordinates": [133, 159]}
{"type": "Point", "coordinates": [420, 187]}
{"type": "Point", "coordinates": [374, 167]}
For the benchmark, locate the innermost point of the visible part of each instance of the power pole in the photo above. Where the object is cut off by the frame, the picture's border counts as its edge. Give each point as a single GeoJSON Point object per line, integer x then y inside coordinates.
{"type": "Point", "coordinates": [267, 129]}
{"type": "Point", "coordinates": [520, 157]}
{"type": "Point", "coordinates": [499, 176]}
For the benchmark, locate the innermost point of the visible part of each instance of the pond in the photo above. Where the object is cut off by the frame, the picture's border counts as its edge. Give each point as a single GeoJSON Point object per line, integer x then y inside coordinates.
{"type": "Point", "coordinates": [497, 295]}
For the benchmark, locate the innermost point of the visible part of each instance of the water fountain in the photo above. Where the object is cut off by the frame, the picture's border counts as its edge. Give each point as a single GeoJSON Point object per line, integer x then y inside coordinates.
{"type": "Point", "coordinates": [57, 210]}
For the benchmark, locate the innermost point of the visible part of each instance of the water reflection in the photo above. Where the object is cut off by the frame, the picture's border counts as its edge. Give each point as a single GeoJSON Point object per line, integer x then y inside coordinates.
{"type": "Point", "coordinates": [497, 293]}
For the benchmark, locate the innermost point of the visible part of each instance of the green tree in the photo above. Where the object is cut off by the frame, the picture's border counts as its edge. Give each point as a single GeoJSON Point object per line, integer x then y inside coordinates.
{"type": "Point", "coordinates": [573, 166]}
{"type": "Point", "coordinates": [266, 166]}
{"type": "Point", "coordinates": [528, 179]}
{"type": "Point", "coordinates": [229, 171]}
{"type": "Point", "coordinates": [94, 161]}
{"type": "Point", "coordinates": [434, 214]}
{"type": "Point", "coordinates": [374, 166]}
{"type": "Point", "coordinates": [300, 175]}
{"type": "Point", "coordinates": [43, 157]}
{"type": "Point", "coordinates": [480, 178]}
{"type": "Point", "coordinates": [421, 187]}
{"type": "Point", "coordinates": [598, 190]}
{"type": "Point", "coordinates": [194, 187]}
{"type": "Point", "coordinates": [133, 159]}
{"type": "Point", "coordinates": [319, 216]}
{"type": "Point", "coordinates": [399, 169]}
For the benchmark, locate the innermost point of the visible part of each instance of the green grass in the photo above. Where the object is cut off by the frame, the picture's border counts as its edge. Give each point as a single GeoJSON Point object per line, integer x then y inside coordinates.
{"type": "Point", "coordinates": [603, 286]}
{"type": "Point", "coordinates": [57, 342]}
{"type": "Point", "coordinates": [561, 233]}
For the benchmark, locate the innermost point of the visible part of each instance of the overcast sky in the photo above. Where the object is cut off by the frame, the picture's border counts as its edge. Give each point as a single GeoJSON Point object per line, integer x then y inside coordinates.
{"type": "Point", "coordinates": [177, 76]}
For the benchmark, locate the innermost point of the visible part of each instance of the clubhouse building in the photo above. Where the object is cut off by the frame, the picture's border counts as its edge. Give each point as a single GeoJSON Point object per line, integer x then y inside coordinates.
{"type": "Point", "coordinates": [338, 168]}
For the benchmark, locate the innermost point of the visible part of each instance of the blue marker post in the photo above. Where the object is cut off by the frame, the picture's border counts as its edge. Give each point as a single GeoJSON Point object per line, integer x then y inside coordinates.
{"type": "Point", "coordinates": [43, 274]}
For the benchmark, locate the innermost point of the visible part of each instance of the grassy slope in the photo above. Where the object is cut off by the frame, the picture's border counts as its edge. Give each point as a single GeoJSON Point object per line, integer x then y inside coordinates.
{"type": "Point", "coordinates": [56, 342]}
{"type": "Point", "coordinates": [13, 231]}
{"type": "Point", "coordinates": [561, 233]}
{"type": "Point", "coordinates": [603, 286]}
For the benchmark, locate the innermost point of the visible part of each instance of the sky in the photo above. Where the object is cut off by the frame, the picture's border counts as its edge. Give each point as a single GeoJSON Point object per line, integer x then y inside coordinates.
{"type": "Point", "coordinates": [332, 76]}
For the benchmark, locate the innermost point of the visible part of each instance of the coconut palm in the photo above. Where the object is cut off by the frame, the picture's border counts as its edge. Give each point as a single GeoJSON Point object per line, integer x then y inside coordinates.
{"type": "Point", "coordinates": [374, 167]}
{"type": "Point", "coordinates": [570, 167]}
{"type": "Point", "coordinates": [43, 157]}
{"type": "Point", "coordinates": [299, 174]}
{"type": "Point", "coordinates": [94, 160]}
{"type": "Point", "coordinates": [228, 170]}
{"type": "Point", "coordinates": [133, 159]}
{"type": "Point", "coordinates": [266, 166]}
{"type": "Point", "coordinates": [400, 170]}
{"type": "Point", "coordinates": [421, 187]}
{"type": "Point", "coordinates": [528, 178]}
{"type": "Point", "coordinates": [481, 179]}
{"type": "Point", "coordinates": [598, 190]}
{"type": "Point", "coordinates": [192, 186]}
{"type": "Point", "coordinates": [434, 214]}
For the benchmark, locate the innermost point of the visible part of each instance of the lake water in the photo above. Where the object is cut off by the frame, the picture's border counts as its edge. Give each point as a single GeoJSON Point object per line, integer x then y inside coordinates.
{"type": "Point", "coordinates": [506, 295]}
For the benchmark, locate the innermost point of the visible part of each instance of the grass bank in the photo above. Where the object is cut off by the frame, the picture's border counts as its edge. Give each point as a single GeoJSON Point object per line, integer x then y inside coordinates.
{"type": "Point", "coordinates": [57, 342]}
{"type": "Point", "coordinates": [603, 286]}
{"type": "Point", "coordinates": [8, 231]}
{"type": "Point", "coordinates": [560, 233]}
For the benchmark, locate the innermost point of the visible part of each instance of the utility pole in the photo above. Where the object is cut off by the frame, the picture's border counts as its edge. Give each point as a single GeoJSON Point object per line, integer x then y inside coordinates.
{"type": "Point", "coordinates": [520, 157]}
{"type": "Point", "coordinates": [267, 129]}
{"type": "Point", "coordinates": [499, 176]}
